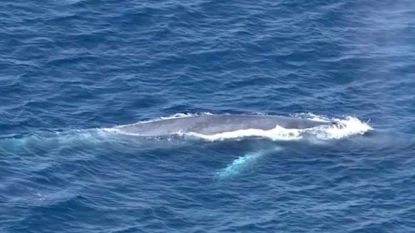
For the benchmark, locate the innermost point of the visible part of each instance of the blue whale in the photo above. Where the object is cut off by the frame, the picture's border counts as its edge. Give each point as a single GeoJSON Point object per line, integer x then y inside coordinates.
{"type": "Point", "coordinates": [214, 124]}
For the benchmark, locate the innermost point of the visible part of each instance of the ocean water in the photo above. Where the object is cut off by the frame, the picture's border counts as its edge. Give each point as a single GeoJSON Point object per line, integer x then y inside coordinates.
{"type": "Point", "coordinates": [73, 71]}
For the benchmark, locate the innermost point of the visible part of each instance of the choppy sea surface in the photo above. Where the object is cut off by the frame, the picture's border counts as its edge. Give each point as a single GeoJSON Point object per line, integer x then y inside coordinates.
{"type": "Point", "coordinates": [73, 71]}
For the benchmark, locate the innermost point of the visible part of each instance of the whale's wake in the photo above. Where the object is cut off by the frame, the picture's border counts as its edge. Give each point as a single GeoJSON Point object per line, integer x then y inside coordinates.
{"type": "Point", "coordinates": [50, 140]}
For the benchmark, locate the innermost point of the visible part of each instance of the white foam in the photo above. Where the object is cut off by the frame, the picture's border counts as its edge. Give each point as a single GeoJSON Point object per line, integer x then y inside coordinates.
{"type": "Point", "coordinates": [278, 133]}
{"type": "Point", "coordinates": [345, 127]}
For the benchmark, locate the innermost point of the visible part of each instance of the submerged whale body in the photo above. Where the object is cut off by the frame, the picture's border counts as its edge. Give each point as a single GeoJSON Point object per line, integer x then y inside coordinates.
{"type": "Point", "coordinates": [214, 124]}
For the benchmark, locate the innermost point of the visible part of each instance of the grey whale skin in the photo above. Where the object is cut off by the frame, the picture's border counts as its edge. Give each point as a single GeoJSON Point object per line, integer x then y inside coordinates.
{"type": "Point", "coordinates": [214, 124]}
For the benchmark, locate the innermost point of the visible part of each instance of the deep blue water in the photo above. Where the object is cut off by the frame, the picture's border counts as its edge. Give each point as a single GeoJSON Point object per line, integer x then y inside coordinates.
{"type": "Point", "coordinates": [70, 70]}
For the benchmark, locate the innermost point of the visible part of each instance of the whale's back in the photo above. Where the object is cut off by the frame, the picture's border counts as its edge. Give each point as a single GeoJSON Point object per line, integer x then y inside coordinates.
{"type": "Point", "coordinates": [214, 124]}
